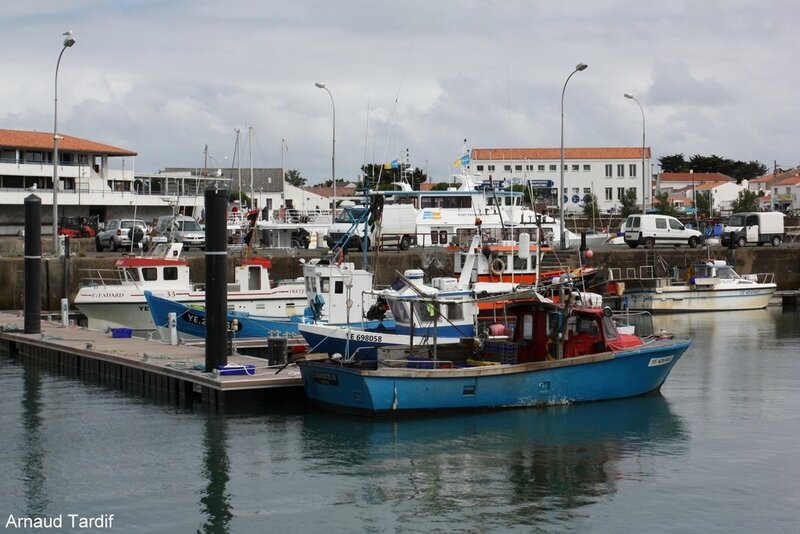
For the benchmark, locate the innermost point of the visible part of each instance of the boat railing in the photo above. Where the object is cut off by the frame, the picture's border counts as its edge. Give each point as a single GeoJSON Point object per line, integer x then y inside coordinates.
{"type": "Point", "coordinates": [417, 364]}
{"type": "Point", "coordinates": [641, 321]}
{"type": "Point", "coordinates": [105, 277]}
{"type": "Point", "coordinates": [760, 278]}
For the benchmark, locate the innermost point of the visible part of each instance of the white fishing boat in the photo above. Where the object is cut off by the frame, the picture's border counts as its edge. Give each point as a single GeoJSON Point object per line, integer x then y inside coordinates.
{"type": "Point", "coordinates": [711, 285]}
{"type": "Point", "coordinates": [115, 298]}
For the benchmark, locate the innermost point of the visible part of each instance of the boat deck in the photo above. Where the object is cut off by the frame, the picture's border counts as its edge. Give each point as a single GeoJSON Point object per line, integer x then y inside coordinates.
{"type": "Point", "coordinates": [175, 371]}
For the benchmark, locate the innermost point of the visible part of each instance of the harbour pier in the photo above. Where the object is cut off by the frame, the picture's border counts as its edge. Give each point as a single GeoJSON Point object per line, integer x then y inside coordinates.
{"type": "Point", "coordinates": [172, 373]}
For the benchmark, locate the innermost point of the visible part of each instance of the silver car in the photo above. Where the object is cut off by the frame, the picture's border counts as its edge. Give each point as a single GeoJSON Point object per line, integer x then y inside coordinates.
{"type": "Point", "coordinates": [121, 234]}
{"type": "Point", "coordinates": [182, 229]}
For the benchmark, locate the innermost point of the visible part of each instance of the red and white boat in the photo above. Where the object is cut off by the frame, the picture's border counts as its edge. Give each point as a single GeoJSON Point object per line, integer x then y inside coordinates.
{"type": "Point", "coordinates": [115, 298]}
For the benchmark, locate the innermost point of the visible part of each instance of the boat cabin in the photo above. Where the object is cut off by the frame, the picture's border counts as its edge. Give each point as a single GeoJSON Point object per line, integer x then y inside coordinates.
{"type": "Point", "coordinates": [333, 291]}
{"type": "Point", "coordinates": [540, 326]}
{"type": "Point", "coordinates": [252, 275]}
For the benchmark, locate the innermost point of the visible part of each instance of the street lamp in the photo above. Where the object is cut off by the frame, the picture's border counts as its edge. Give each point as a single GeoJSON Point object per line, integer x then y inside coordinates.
{"type": "Point", "coordinates": [333, 147]}
{"type": "Point", "coordinates": [644, 171]}
{"type": "Point", "coordinates": [68, 42]}
{"type": "Point", "coordinates": [578, 67]}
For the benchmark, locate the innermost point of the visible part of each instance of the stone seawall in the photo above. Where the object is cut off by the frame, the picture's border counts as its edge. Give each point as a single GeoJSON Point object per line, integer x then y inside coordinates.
{"type": "Point", "coordinates": [784, 261]}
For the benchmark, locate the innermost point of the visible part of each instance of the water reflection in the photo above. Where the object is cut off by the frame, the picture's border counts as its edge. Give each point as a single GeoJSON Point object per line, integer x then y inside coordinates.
{"type": "Point", "coordinates": [522, 465]}
{"type": "Point", "coordinates": [215, 503]}
{"type": "Point", "coordinates": [32, 468]}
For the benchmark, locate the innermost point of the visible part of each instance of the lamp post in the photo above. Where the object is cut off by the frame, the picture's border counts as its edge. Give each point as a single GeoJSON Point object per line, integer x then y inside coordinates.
{"type": "Point", "coordinates": [644, 170]}
{"type": "Point", "coordinates": [333, 146]}
{"type": "Point", "coordinates": [68, 42]}
{"type": "Point", "coordinates": [578, 67]}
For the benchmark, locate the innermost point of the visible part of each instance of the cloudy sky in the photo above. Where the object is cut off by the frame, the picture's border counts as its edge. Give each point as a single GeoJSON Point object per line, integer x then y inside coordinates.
{"type": "Point", "coordinates": [166, 78]}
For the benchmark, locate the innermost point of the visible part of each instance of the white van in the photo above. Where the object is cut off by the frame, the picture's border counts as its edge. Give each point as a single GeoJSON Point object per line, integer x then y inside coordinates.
{"type": "Point", "coordinates": [398, 226]}
{"type": "Point", "coordinates": [652, 229]}
{"type": "Point", "coordinates": [754, 227]}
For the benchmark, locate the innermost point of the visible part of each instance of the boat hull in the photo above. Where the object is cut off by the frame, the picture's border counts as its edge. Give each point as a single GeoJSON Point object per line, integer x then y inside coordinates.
{"type": "Point", "coordinates": [388, 390]}
{"type": "Point", "coordinates": [362, 344]}
{"type": "Point", "coordinates": [689, 299]}
{"type": "Point", "coordinates": [106, 308]}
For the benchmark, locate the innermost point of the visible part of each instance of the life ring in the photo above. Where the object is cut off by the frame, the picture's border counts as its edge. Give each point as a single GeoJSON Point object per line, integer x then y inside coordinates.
{"type": "Point", "coordinates": [497, 266]}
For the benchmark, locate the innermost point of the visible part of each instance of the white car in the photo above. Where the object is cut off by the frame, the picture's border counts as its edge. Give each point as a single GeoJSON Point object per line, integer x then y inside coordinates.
{"type": "Point", "coordinates": [652, 229]}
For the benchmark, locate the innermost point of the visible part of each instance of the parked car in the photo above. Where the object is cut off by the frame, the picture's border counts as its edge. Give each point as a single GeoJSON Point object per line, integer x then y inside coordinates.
{"type": "Point", "coordinates": [121, 234]}
{"type": "Point", "coordinates": [650, 230]}
{"type": "Point", "coordinates": [182, 229]}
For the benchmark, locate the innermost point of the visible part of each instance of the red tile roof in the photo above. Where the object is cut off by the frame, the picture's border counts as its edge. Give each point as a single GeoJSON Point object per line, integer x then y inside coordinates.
{"type": "Point", "coordinates": [555, 153]}
{"type": "Point", "coordinates": [44, 141]}
{"type": "Point", "coordinates": [791, 180]}
{"type": "Point", "coordinates": [694, 177]}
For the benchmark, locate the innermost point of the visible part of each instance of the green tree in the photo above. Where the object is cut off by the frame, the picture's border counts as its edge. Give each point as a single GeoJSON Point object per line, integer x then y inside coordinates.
{"type": "Point", "coordinates": [663, 204]}
{"type": "Point", "coordinates": [234, 196]}
{"type": "Point", "coordinates": [674, 163]}
{"type": "Point", "coordinates": [702, 202]}
{"type": "Point", "coordinates": [628, 203]}
{"type": "Point", "coordinates": [294, 178]}
{"type": "Point", "coordinates": [590, 209]}
{"type": "Point", "coordinates": [746, 201]}
{"type": "Point", "coordinates": [380, 178]}
{"type": "Point", "coordinates": [738, 170]}
{"type": "Point", "coordinates": [442, 186]}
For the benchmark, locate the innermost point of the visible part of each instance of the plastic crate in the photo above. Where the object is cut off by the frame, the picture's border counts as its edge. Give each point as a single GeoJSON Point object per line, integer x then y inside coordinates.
{"type": "Point", "coordinates": [121, 332]}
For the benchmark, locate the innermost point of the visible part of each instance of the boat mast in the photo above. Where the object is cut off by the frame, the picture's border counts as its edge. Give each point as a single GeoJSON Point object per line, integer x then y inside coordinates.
{"type": "Point", "coordinates": [250, 151]}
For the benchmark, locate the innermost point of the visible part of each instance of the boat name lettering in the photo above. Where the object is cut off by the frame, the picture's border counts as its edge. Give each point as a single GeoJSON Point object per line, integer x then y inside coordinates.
{"type": "Point", "coordinates": [655, 362]}
{"type": "Point", "coordinates": [108, 294]}
{"type": "Point", "coordinates": [749, 292]}
{"type": "Point", "coordinates": [326, 379]}
{"type": "Point", "coordinates": [193, 318]}
{"type": "Point", "coordinates": [373, 338]}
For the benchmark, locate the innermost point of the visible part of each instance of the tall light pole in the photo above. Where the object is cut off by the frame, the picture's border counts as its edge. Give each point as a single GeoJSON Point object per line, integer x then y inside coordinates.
{"type": "Point", "coordinates": [578, 67]}
{"type": "Point", "coordinates": [644, 170]}
{"type": "Point", "coordinates": [68, 42]}
{"type": "Point", "coordinates": [333, 146]}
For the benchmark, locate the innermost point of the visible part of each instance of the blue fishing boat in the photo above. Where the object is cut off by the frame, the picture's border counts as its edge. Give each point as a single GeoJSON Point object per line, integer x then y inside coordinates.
{"type": "Point", "coordinates": [441, 312]}
{"type": "Point", "coordinates": [559, 354]}
{"type": "Point", "coordinates": [191, 320]}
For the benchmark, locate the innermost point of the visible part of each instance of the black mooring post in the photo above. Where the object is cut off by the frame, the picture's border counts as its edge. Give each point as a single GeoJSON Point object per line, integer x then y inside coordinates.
{"type": "Point", "coordinates": [33, 265]}
{"type": "Point", "coordinates": [583, 241]}
{"type": "Point", "coordinates": [216, 204]}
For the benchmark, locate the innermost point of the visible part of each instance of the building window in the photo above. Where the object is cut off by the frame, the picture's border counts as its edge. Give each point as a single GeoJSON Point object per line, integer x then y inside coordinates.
{"type": "Point", "coordinates": [587, 190]}
{"type": "Point", "coordinates": [576, 168]}
{"type": "Point", "coordinates": [608, 170]}
{"type": "Point", "coordinates": [553, 168]}
{"type": "Point", "coordinates": [490, 168]}
{"type": "Point", "coordinates": [587, 167]}
{"type": "Point", "coordinates": [540, 168]}
{"type": "Point", "coordinates": [517, 167]}
{"type": "Point", "coordinates": [478, 167]}
{"type": "Point", "coordinates": [621, 170]}
{"type": "Point", "coordinates": [620, 193]}
{"type": "Point", "coordinates": [609, 193]}
{"type": "Point", "coordinates": [633, 190]}
{"type": "Point", "coordinates": [632, 170]}
{"type": "Point", "coordinates": [507, 168]}
{"type": "Point", "coordinates": [576, 190]}
{"type": "Point", "coordinates": [566, 167]}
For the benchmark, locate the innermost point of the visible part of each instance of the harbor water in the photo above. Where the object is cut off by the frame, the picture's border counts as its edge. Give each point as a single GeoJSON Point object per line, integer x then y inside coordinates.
{"type": "Point", "coordinates": [716, 451]}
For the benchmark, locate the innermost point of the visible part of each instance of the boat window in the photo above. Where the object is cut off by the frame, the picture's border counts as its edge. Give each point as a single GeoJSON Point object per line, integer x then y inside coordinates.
{"type": "Point", "coordinates": [170, 273]}
{"type": "Point", "coordinates": [132, 274]}
{"type": "Point", "coordinates": [424, 310]}
{"type": "Point", "coordinates": [399, 310]}
{"type": "Point", "coordinates": [527, 327]}
{"type": "Point", "coordinates": [520, 264]}
{"type": "Point", "coordinates": [149, 274]}
{"type": "Point", "coordinates": [587, 325]}
{"type": "Point", "coordinates": [254, 278]}
{"type": "Point", "coordinates": [455, 311]}
{"type": "Point", "coordinates": [324, 284]}
{"type": "Point", "coordinates": [609, 329]}
{"type": "Point", "coordinates": [338, 287]}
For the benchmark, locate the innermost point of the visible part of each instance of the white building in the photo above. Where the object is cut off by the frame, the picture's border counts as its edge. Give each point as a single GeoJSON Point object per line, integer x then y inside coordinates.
{"type": "Point", "coordinates": [605, 172]}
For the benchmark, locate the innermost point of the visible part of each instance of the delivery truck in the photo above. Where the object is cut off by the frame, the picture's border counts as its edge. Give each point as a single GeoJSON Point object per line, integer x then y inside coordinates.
{"type": "Point", "coordinates": [757, 227]}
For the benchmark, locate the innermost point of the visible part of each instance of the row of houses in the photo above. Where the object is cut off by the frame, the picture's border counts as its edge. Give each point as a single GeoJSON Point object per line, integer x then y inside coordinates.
{"type": "Point", "coordinates": [96, 179]}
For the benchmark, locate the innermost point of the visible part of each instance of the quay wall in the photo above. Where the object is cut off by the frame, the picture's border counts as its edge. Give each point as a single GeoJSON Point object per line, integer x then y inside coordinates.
{"type": "Point", "coordinates": [784, 261]}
